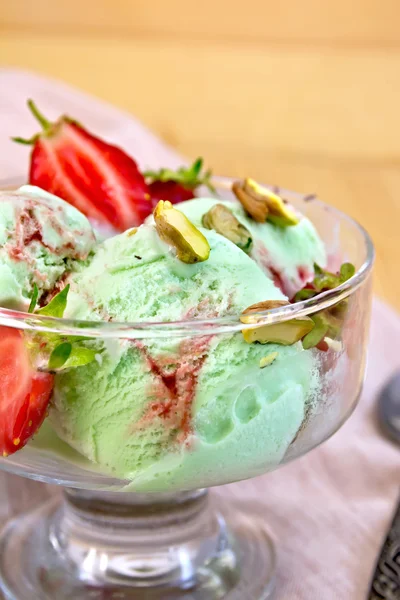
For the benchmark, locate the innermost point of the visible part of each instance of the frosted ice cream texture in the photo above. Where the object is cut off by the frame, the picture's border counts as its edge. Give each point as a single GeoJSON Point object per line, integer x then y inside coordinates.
{"type": "Point", "coordinates": [167, 413]}
{"type": "Point", "coordinates": [41, 237]}
{"type": "Point", "coordinates": [286, 254]}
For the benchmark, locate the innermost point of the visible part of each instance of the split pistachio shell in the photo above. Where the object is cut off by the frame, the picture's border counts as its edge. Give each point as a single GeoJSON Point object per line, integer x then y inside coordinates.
{"type": "Point", "coordinates": [223, 221]}
{"type": "Point", "coordinates": [177, 231]}
{"type": "Point", "coordinates": [262, 204]}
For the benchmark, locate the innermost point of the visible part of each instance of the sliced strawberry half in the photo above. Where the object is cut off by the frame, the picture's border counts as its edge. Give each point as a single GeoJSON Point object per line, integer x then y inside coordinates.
{"type": "Point", "coordinates": [24, 393]}
{"type": "Point", "coordinates": [99, 179]}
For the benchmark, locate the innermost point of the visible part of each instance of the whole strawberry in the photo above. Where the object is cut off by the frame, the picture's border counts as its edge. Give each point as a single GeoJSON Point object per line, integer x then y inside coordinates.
{"type": "Point", "coordinates": [99, 179]}
{"type": "Point", "coordinates": [177, 186]}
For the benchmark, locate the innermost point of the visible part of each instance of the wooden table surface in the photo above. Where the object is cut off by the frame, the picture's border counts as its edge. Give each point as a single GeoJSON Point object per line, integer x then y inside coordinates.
{"type": "Point", "coordinates": [306, 94]}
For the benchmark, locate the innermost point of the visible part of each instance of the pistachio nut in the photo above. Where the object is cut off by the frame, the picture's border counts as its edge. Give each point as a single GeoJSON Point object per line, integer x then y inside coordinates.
{"type": "Point", "coordinates": [254, 203]}
{"type": "Point", "coordinates": [326, 324]}
{"type": "Point", "coordinates": [285, 333]}
{"type": "Point", "coordinates": [268, 360]}
{"type": "Point", "coordinates": [223, 221]}
{"type": "Point", "coordinates": [174, 228]}
{"type": "Point", "coordinates": [317, 334]}
{"type": "Point", "coordinates": [249, 315]}
{"type": "Point", "coordinates": [262, 204]}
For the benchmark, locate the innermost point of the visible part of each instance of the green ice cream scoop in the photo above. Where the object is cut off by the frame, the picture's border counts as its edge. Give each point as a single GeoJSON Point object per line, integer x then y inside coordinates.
{"type": "Point", "coordinates": [41, 237]}
{"type": "Point", "coordinates": [177, 413]}
{"type": "Point", "coordinates": [285, 254]}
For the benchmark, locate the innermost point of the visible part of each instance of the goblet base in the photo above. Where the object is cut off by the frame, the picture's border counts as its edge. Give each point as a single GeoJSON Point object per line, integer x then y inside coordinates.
{"type": "Point", "coordinates": [114, 546]}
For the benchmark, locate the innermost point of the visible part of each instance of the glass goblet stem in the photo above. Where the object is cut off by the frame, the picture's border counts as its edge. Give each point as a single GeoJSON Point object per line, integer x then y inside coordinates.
{"type": "Point", "coordinates": [142, 540]}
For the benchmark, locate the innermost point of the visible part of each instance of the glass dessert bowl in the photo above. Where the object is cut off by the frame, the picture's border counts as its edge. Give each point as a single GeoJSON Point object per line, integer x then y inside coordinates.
{"type": "Point", "coordinates": [213, 406]}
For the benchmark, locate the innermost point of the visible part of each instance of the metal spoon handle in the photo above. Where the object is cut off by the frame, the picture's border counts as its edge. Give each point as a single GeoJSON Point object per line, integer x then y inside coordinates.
{"type": "Point", "coordinates": [386, 580]}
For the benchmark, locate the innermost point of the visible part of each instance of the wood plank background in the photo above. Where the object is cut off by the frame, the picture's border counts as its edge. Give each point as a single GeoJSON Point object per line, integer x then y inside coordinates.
{"type": "Point", "coordinates": [301, 93]}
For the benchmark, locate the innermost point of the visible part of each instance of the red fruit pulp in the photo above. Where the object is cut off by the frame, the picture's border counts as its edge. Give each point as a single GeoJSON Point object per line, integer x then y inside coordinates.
{"type": "Point", "coordinates": [99, 179]}
{"type": "Point", "coordinates": [24, 393]}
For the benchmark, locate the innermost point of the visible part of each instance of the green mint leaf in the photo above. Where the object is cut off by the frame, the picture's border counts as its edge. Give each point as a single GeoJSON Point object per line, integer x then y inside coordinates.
{"type": "Point", "coordinates": [317, 334]}
{"type": "Point", "coordinates": [66, 356]}
{"type": "Point", "coordinates": [34, 298]}
{"type": "Point", "coordinates": [80, 356]}
{"type": "Point", "coordinates": [56, 307]}
{"type": "Point", "coordinates": [59, 351]}
{"type": "Point", "coordinates": [60, 355]}
{"type": "Point", "coordinates": [347, 271]}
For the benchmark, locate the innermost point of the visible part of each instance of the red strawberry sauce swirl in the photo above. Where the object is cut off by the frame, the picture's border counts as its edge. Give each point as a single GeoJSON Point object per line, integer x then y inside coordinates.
{"type": "Point", "coordinates": [175, 385]}
{"type": "Point", "coordinates": [29, 229]}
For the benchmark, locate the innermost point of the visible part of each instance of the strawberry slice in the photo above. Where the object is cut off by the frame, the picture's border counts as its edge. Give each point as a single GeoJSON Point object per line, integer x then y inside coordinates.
{"type": "Point", "coordinates": [24, 393]}
{"type": "Point", "coordinates": [177, 186]}
{"type": "Point", "coordinates": [99, 179]}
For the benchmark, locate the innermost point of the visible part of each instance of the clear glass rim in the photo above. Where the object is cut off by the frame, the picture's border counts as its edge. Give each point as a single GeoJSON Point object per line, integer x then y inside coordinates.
{"type": "Point", "coordinates": [195, 327]}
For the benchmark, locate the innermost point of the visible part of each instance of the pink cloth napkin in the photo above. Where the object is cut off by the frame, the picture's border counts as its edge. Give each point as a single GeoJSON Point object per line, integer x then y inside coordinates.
{"type": "Point", "coordinates": [328, 510]}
